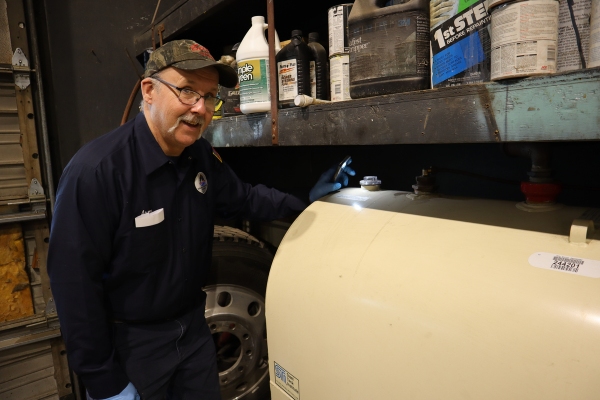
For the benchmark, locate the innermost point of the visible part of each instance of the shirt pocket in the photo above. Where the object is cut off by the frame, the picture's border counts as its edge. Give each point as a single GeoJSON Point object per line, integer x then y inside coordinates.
{"type": "Point", "coordinates": [149, 247]}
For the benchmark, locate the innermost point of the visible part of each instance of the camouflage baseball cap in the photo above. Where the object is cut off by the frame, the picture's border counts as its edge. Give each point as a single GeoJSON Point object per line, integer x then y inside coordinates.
{"type": "Point", "coordinates": [188, 55]}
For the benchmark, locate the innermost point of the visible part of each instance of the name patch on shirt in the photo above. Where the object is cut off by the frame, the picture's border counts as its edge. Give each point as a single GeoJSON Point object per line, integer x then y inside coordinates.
{"type": "Point", "coordinates": [201, 183]}
{"type": "Point", "coordinates": [149, 218]}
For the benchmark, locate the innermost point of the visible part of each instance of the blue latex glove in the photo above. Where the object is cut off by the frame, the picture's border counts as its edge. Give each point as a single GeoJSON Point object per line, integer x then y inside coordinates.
{"type": "Point", "coordinates": [129, 393]}
{"type": "Point", "coordinates": [326, 185]}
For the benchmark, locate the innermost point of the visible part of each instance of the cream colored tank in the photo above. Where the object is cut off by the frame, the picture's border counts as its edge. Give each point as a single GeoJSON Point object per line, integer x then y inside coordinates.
{"type": "Point", "coordinates": [388, 295]}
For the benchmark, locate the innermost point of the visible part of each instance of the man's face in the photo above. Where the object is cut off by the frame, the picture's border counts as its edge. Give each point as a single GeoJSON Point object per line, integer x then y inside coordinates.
{"type": "Point", "coordinates": [175, 125]}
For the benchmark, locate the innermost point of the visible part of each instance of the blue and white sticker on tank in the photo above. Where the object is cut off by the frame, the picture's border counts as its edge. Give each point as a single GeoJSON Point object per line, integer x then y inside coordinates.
{"type": "Point", "coordinates": [568, 264]}
{"type": "Point", "coordinates": [287, 382]}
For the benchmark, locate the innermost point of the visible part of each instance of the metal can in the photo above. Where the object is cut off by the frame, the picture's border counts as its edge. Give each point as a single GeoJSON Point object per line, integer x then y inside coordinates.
{"type": "Point", "coordinates": [573, 44]}
{"type": "Point", "coordinates": [460, 42]}
{"type": "Point", "coordinates": [594, 45]}
{"type": "Point", "coordinates": [339, 77]}
{"type": "Point", "coordinates": [524, 39]}
{"type": "Point", "coordinates": [337, 17]}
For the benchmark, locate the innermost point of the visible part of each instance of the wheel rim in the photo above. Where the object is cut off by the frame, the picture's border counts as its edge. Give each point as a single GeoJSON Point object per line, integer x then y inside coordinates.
{"type": "Point", "coordinates": [236, 318]}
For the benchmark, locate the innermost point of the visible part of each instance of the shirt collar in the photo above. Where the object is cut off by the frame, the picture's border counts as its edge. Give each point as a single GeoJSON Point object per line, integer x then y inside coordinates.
{"type": "Point", "coordinates": [150, 154]}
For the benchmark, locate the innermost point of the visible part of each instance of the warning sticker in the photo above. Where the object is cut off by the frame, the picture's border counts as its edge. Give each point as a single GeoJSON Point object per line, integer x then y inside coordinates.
{"type": "Point", "coordinates": [287, 382]}
{"type": "Point", "coordinates": [568, 264]}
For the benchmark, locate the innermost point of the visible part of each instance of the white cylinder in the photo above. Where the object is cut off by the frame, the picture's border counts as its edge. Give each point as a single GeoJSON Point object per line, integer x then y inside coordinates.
{"type": "Point", "coordinates": [391, 295]}
{"type": "Point", "coordinates": [594, 46]}
{"type": "Point", "coordinates": [524, 39]}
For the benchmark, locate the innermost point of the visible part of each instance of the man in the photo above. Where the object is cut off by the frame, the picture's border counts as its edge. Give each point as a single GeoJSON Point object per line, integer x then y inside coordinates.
{"type": "Point", "coordinates": [131, 237]}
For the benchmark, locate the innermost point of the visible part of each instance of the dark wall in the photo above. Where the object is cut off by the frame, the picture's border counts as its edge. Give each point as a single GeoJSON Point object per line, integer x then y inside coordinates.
{"type": "Point", "coordinates": [87, 72]}
{"type": "Point", "coordinates": [474, 170]}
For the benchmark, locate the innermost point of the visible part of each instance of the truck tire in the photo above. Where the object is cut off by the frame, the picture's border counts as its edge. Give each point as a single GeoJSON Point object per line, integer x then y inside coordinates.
{"type": "Point", "coordinates": [235, 313]}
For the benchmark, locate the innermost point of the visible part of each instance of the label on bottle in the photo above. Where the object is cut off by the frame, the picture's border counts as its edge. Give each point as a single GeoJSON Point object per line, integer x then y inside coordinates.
{"type": "Point", "coordinates": [460, 43]}
{"type": "Point", "coordinates": [254, 80]}
{"type": "Point", "coordinates": [287, 72]}
{"type": "Point", "coordinates": [337, 18]}
{"type": "Point", "coordinates": [340, 77]}
{"type": "Point", "coordinates": [313, 80]}
{"type": "Point", "coordinates": [373, 56]}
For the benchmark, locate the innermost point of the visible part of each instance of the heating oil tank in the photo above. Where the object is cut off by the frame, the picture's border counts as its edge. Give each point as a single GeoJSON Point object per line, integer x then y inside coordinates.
{"type": "Point", "coordinates": [392, 295]}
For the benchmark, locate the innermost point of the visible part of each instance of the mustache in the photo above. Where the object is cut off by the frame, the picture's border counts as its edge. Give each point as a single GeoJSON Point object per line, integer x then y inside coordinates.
{"type": "Point", "coordinates": [189, 118]}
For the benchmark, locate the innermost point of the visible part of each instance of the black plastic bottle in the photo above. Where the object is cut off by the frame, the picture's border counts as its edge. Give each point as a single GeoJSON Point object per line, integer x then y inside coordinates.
{"type": "Point", "coordinates": [321, 91]}
{"type": "Point", "coordinates": [293, 70]}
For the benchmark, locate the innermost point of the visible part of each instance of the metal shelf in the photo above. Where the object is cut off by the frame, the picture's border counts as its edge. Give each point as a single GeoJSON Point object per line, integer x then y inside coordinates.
{"type": "Point", "coordinates": [560, 107]}
{"type": "Point", "coordinates": [180, 16]}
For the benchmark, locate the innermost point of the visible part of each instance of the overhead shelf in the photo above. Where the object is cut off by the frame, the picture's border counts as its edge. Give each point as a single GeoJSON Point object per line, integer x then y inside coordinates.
{"type": "Point", "coordinates": [177, 19]}
{"type": "Point", "coordinates": [552, 108]}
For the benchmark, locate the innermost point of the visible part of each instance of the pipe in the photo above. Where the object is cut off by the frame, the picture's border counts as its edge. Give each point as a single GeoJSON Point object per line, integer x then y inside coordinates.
{"type": "Point", "coordinates": [273, 73]}
{"type": "Point", "coordinates": [134, 93]}
{"type": "Point", "coordinates": [40, 106]}
{"type": "Point", "coordinates": [539, 154]}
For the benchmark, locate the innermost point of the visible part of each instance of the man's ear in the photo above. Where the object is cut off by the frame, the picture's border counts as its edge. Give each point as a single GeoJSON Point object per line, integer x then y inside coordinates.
{"type": "Point", "coordinates": [147, 90]}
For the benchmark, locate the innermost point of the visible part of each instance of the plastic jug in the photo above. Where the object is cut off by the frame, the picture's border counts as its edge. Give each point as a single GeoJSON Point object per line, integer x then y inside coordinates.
{"type": "Point", "coordinates": [293, 70]}
{"type": "Point", "coordinates": [320, 88]}
{"type": "Point", "coordinates": [253, 68]}
{"type": "Point", "coordinates": [389, 47]}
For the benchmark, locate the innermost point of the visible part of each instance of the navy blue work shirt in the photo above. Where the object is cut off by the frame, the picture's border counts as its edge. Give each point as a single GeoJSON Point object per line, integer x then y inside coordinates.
{"type": "Point", "coordinates": [103, 267]}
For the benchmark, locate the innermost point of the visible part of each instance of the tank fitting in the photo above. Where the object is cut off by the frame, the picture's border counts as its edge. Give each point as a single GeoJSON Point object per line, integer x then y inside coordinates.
{"type": "Point", "coordinates": [541, 187]}
{"type": "Point", "coordinates": [370, 183]}
{"type": "Point", "coordinates": [425, 182]}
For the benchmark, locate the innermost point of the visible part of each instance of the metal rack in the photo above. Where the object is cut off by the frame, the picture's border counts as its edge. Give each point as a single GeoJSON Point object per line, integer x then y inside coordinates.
{"type": "Point", "coordinates": [560, 107]}
{"type": "Point", "coordinates": [551, 108]}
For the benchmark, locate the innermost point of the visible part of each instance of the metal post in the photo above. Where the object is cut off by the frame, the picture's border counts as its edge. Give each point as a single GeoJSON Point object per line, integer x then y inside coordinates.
{"type": "Point", "coordinates": [40, 105]}
{"type": "Point", "coordinates": [273, 73]}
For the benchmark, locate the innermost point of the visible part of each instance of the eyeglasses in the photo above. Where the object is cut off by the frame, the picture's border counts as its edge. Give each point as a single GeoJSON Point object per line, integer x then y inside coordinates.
{"type": "Point", "coordinates": [189, 97]}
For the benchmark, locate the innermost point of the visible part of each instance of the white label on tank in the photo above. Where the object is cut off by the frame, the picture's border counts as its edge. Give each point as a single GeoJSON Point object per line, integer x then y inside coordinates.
{"type": "Point", "coordinates": [287, 382]}
{"type": "Point", "coordinates": [288, 79]}
{"type": "Point", "coordinates": [568, 264]}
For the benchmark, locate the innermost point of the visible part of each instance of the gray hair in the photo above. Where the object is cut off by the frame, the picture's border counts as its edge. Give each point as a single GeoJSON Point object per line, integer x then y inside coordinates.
{"type": "Point", "coordinates": [143, 102]}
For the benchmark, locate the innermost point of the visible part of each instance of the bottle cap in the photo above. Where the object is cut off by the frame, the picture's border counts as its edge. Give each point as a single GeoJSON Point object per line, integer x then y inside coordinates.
{"type": "Point", "coordinates": [296, 32]}
{"type": "Point", "coordinates": [313, 37]}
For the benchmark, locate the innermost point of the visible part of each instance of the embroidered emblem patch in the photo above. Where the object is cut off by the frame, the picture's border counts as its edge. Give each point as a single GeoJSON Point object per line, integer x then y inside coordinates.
{"type": "Point", "coordinates": [201, 183]}
{"type": "Point", "coordinates": [196, 48]}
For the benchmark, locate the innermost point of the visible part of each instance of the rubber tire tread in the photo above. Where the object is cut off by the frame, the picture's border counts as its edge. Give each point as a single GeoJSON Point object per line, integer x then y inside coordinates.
{"type": "Point", "coordinates": [239, 259]}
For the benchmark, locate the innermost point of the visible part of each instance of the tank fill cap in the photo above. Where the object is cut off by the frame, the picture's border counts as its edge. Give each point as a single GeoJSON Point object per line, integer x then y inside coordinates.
{"type": "Point", "coordinates": [370, 183]}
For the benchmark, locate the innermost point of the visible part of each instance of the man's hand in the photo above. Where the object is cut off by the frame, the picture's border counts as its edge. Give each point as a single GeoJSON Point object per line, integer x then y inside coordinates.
{"type": "Point", "coordinates": [326, 185]}
{"type": "Point", "coordinates": [129, 393]}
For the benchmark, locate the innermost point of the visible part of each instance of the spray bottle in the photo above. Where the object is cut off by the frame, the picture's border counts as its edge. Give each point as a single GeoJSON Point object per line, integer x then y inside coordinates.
{"type": "Point", "coordinates": [253, 68]}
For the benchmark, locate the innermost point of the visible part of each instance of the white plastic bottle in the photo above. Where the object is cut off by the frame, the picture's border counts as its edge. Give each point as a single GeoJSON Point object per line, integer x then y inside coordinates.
{"type": "Point", "coordinates": [253, 68]}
